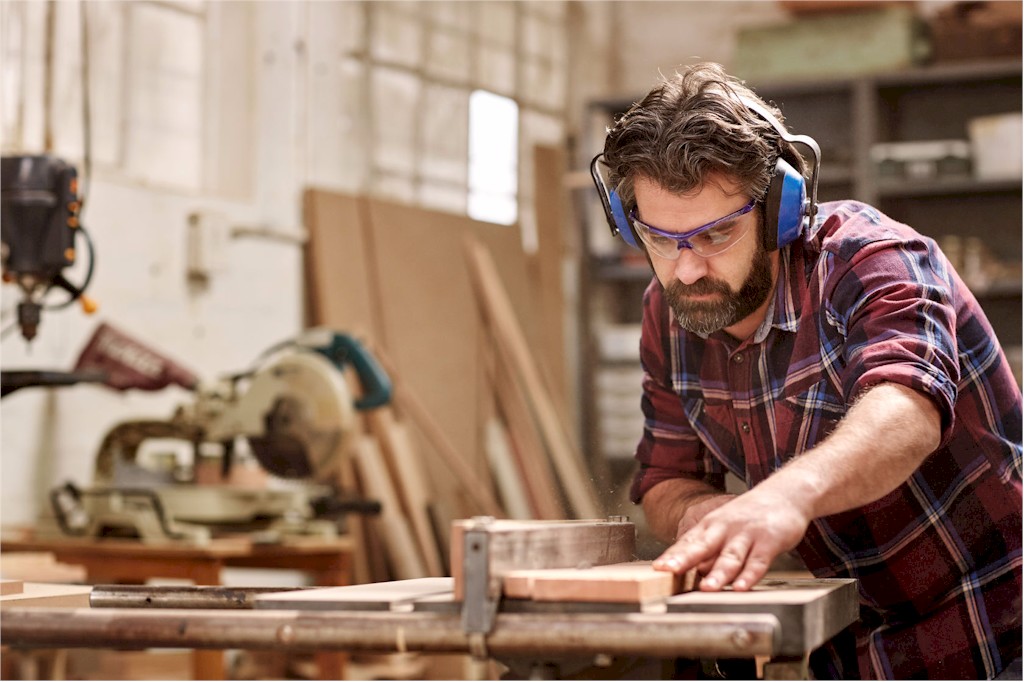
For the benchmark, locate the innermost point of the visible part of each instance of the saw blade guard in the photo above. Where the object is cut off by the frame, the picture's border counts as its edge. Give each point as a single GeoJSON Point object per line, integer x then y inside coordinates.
{"type": "Point", "coordinates": [297, 415]}
{"type": "Point", "coordinates": [303, 411]}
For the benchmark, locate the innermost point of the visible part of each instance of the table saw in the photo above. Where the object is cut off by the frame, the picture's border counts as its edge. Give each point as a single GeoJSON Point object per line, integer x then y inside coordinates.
{"type": "Point", "coordinates": [780, 621]}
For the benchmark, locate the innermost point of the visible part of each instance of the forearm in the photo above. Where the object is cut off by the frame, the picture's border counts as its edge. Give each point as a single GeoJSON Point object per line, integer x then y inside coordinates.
{"type": "Point", "coordinates": [883, 439]}
{"type": "Point", "coordinates": [666, 504]}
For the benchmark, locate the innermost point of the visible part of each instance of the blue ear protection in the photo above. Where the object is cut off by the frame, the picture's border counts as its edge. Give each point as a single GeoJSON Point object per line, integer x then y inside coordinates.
{"type": "Point", "coordinates": [786, 205]}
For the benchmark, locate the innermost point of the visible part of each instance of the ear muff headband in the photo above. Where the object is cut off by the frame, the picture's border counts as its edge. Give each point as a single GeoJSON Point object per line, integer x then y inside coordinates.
{"type": "Point", "coordinates": [619, 213]}
{"type": "Point", "coordinates": [614, 211]}
{"type": "Point", "coordinates": [788, 208]}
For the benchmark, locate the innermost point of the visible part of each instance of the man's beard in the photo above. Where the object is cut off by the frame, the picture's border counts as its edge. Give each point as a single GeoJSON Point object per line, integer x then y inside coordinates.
{"type": "Point", "coordinates": [707, 316]}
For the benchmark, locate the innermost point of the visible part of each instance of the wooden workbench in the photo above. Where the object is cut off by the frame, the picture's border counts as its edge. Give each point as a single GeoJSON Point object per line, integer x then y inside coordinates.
{"type": "Point", "coordinates": [780, 622]}
{"type": "Point", "coordinates": [328, 562]}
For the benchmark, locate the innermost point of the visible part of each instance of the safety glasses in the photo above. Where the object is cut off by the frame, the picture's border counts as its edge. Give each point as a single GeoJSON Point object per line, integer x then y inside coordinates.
{"type": "Point", "coordinates": [707, 240]}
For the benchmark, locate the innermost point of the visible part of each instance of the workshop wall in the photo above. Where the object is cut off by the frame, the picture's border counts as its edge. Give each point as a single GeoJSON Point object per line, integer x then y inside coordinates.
{"type": "Point", "coordinates": [218, 115]}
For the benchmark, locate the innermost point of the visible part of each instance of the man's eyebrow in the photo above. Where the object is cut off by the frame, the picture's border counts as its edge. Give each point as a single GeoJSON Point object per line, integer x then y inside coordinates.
{"type": "Point", "coordinates": [726, 223]}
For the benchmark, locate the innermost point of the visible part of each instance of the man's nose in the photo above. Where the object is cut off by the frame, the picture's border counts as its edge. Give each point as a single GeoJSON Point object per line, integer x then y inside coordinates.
{"type": "Point", "coordinates": [690, 267]}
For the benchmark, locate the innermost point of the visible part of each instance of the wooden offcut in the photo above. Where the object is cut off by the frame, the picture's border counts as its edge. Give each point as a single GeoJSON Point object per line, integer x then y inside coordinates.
{"type": "Point", "coordinates": [48, 594]}
{"type": "Point", "coordinates": [11, 587]}
{"type": "Point", "coordinates": [633, 582]}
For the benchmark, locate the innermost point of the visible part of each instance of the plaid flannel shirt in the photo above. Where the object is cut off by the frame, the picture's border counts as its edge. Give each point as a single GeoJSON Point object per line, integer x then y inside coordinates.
{"type": "Point", "coordinates": [863, 300]}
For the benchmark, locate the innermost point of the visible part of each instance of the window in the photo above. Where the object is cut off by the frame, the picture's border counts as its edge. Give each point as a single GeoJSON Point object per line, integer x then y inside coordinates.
{"type": "Point", "coordinates": [493, 158]}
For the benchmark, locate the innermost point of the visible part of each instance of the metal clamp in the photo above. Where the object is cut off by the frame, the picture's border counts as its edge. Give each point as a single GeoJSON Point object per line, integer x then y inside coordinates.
{"type": "Point", "coordinates": [480, 593]}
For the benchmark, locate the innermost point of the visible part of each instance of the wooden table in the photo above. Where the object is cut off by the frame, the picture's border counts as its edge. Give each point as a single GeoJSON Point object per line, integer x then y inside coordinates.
{"type": "Point", "coordinates": [779, 623]}
{"type": "Point", "coordinates": [329, 563]}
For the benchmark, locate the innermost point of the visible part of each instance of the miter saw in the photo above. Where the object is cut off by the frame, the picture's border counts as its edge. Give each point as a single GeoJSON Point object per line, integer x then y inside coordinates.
{"type": "Point", "coordinates": [295, 411]}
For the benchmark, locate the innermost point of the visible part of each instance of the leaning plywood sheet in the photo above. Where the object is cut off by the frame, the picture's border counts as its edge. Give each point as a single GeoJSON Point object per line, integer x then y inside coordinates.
{"type": "Point", "coordinates": [338, 263]}
{"type": "Point", "coordinates": [521, 545]}
{"type": "Point", "coordinates": [632, 582]}
{"type": "Point", "coordinates": [811, 611]}
{"type": "Point", "coordinates": [48, 594]}
{"type": "Point", "coordinates": [397, 595]}
{"type": "Point", "coordinates": [430, 319]}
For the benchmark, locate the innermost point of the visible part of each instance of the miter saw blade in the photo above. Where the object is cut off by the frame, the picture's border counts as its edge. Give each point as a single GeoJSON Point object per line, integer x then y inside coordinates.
{"type": "Point", "coordinates": [306, 414]}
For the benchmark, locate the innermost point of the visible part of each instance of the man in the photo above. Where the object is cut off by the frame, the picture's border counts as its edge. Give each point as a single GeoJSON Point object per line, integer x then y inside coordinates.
{"type": "Point", "coordinates": [841, 368]}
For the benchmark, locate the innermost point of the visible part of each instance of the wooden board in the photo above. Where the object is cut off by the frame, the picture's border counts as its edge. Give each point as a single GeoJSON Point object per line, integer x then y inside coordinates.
{"type": "Point", "coordinates": [49, 595]}
{"type": "Point", "coordinates": [522, 545]}
{"type": "Point", "coordinates": [811, 611]}
{"type": "Point", "coordinates": [38, 567]}
{"type": "Point", "coordinates": [397, 595]}
{"type": "Point", "coordinates": [552, 219]}
{"type": "Point", "coordinates": [506, 471]}
{"type": "Point", "coordinates": [527, 447]}
{"type": "Point", "coordinates": [632, 582]}
{"type": "Point", "coordinates": [404, 557]}
{"type": "Point", "coordinates": [411, 485]}
{"type": "Point", "coordinates": [11, 587]}
{"type": "Point", "coordinates": [454, 462]}
{"type": "Point", "coordinates": [515, 351]}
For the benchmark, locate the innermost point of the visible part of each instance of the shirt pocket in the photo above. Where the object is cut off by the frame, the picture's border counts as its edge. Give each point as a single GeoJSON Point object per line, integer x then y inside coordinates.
{"type": "Point", "coordinates": [808, 411]}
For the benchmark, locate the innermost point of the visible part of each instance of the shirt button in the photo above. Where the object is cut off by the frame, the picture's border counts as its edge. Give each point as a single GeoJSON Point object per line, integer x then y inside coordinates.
{"type": "Point", "coordinates": [738, 358]}
{"type": "Point", "coordinates": [746, 427]}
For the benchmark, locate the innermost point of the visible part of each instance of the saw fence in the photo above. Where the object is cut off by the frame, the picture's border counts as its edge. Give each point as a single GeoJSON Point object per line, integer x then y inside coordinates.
{"type": "Point", "coordinates": [469, 328]}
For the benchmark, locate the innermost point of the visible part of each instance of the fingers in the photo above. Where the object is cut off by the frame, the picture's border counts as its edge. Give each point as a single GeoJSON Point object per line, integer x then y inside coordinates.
{"type": "Point", "coordinates": [723, 561]}
{"type": "Point", "coordinates": [691, 549]}
{"type": "Point", "coordinates": [756, 567]}
{"type": "Point", "coordinates": [727, 566]}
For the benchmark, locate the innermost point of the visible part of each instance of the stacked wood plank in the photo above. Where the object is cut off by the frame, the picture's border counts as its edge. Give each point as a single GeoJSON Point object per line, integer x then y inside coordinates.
{"type": "Point", "coordinates": [478, 423]}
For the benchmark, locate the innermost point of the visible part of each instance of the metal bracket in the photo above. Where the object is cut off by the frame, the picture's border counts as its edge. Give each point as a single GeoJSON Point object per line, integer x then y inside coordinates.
{"type": "Point", "coordinates": [480, 593]}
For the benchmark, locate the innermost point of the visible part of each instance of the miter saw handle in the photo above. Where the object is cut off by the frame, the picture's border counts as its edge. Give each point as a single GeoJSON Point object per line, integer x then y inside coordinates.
{"type": "Point", "coordinates": [343, 348]}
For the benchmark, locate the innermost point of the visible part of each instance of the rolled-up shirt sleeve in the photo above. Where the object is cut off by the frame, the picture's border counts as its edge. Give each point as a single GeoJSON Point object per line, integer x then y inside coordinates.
{"type": "Point", "coordinates": [669, 447]}
{"type": "Point", "coordinates": [896, 308]}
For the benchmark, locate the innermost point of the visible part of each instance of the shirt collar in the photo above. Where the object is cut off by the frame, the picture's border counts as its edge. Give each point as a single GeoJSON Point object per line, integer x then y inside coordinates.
{"type": "Point", "coordinates": [784, 311]}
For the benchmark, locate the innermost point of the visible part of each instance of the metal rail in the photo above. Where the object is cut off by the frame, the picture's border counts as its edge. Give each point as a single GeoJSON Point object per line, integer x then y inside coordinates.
{"type": "Point", "coordinates": [175, 597]}
{"type": "Point", "coordinates": [535, 635]}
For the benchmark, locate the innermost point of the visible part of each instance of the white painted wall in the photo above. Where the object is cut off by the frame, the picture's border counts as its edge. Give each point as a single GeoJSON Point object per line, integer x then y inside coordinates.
{"type": "Point", "coordinates": [151, 67]}
{"type": "Point", "coordinates": [233, 108]}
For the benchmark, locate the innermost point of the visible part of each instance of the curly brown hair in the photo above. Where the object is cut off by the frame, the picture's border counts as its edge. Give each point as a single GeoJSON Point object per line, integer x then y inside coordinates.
{"type": "Point", "coordinates": [690, 126]}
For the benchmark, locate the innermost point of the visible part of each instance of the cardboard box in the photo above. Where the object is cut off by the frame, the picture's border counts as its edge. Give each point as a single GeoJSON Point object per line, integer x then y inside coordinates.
{"type": "Point", "coordinates": [996, 143]}
{"type": "Point", "coordinates": [977, 30]}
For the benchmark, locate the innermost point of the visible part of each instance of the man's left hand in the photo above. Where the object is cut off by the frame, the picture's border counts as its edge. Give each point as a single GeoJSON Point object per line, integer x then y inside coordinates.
{"type": "Point", "coordinates": [737, 542]}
